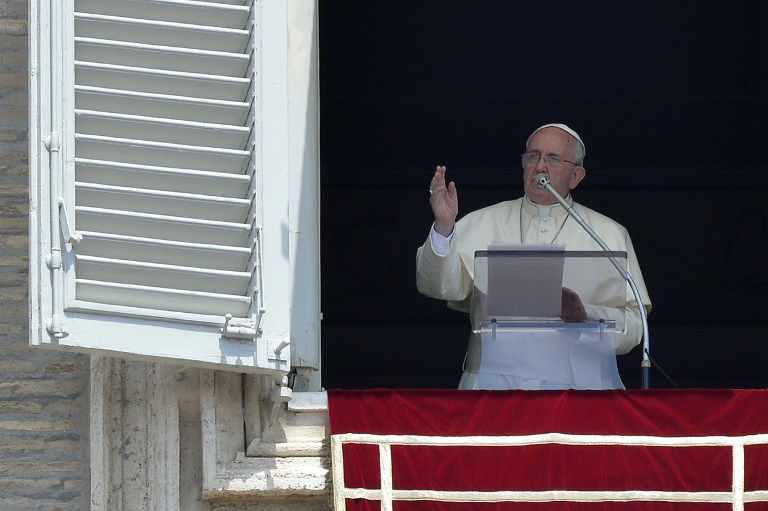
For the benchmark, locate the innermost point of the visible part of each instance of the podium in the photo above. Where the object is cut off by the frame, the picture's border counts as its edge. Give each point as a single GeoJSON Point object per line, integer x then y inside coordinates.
{"type": "Point", "coordinates": [515, 312]}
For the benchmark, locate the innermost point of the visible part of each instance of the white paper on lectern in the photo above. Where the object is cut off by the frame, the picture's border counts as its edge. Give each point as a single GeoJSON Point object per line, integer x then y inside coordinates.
{"type": "Point", "coordinates": [529, 287]}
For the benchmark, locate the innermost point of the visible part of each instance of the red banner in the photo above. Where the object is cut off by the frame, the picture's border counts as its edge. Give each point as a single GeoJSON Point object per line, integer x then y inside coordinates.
{"type": "Point", "coordinates": [544, 450]}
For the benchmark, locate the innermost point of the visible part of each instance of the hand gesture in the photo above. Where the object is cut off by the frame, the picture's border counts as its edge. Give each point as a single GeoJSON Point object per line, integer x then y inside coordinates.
{"type": "Point", "coordinates": [444, 201]}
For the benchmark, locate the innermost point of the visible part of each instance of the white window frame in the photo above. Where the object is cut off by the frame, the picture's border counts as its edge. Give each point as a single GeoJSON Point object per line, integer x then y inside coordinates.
{"type": "Point", "coordinates": [283, 330]}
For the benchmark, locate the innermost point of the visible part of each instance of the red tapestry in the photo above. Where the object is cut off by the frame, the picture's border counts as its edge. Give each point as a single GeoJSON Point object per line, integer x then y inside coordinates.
{"type": "Point", "coordinates": [655, 450]}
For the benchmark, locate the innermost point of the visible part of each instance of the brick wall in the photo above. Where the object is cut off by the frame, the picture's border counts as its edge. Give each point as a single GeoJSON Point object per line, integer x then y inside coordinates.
{"type": "Point", "coordinates": [43, 395]}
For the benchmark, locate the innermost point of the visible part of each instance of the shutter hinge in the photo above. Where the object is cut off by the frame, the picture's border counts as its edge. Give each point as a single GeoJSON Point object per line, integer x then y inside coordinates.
{"type": "Point", "coordinates": [239, 328]}
{"type": "Point", "coordinates": [52, 142]}
{"type": "Point", "coordinates": [55, 328]}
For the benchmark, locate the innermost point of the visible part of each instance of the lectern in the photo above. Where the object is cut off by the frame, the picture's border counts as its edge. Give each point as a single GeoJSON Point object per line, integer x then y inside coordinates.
{"type": "Point", "coordinates": [516, 308]}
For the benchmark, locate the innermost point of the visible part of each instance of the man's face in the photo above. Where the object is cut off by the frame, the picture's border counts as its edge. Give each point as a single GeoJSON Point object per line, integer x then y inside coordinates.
{"type": "Point", "coordinates": [552, 142]}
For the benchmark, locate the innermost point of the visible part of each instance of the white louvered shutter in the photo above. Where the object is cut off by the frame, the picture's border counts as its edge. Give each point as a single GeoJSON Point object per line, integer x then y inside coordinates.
{"type": "Point", "coordinates": [159, 136]}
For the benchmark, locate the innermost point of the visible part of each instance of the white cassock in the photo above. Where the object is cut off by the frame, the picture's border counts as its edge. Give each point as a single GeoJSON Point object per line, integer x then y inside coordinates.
{"type": "Point", "coordinates": [445, 270]}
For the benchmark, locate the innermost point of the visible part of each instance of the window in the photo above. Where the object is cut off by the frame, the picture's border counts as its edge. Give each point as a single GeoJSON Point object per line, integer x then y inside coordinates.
{"type": "Point", "coordinates": [166, 219]}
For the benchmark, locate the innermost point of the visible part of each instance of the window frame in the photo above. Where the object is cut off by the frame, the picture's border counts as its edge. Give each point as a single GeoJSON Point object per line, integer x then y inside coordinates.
{"type": "Point", "coordinates": [287, 219]}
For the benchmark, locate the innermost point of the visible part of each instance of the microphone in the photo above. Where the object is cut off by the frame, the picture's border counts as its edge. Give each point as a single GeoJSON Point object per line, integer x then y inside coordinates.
{"type": "Point", "coordinates": [542, 181]}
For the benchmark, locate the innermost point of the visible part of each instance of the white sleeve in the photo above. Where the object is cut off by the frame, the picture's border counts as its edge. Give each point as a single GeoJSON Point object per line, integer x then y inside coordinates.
{"type": "Point", "coordinates": [440, 244]}
{"type": "Point", "coordinates": [629, 330]}
{"type": "Point", "coordinates": [441, 275]}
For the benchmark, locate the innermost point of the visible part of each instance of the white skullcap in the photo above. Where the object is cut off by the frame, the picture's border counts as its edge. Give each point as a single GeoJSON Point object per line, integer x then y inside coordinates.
{"type": "Point", "coordinates": [560, 127]}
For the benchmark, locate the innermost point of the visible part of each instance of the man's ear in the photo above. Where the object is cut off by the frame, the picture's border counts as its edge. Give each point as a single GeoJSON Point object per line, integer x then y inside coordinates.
{"type": "Point", "coordinates": [578, 175]}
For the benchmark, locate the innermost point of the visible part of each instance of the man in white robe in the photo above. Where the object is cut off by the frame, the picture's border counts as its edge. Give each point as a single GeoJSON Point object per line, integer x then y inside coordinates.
{"type": "Point", "coordinates": [445, 263]}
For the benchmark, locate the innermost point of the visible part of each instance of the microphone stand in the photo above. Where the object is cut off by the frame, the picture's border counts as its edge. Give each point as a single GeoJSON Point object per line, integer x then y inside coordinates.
{"type": "Point", "coordinates": [542, 181]}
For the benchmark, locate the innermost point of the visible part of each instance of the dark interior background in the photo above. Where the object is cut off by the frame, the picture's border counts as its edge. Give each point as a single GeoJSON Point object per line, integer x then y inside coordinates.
{"type": "Point", "coordinates": [671, 99]}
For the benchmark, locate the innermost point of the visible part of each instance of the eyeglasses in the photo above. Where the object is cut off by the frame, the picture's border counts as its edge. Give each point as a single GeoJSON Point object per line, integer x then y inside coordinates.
{"type": "Point", "coordinates": [551, 161]}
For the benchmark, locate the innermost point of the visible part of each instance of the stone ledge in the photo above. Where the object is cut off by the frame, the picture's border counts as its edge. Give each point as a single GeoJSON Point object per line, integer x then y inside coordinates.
{"type": "Point", "coordinates": [249, 479]}
{"type": "Point", "coordinates": [281, 449]}
{"type": "Point", "coordinates": [308, 402]}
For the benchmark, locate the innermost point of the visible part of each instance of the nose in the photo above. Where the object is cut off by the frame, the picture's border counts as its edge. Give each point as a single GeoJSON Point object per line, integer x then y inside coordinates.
{"type": "Point", "coordinates": [541, 166]}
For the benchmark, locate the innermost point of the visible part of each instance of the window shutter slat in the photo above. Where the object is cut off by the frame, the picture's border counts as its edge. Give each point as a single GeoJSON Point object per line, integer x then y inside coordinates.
{"type": "Point", "coordinates": [230, 16]}
{"type": "Point", "coordinates": [162, 33]}
{"type": "Point", "coordinates": [203, 207]}
{"type": "Point", "coordinates": [162, 299]}
{"type": "Point", "coordinates": [158, 129]}
{"type": "Point", "coordinates": [161, 178]}
{"type": "Point", "coordinates": [137, 248]}
{"type": "Point", "coordinates": [182, 229]}
{"type": "Point", "coordinates": [157, 57]}
{"type": "Point", "coordinates": [162, 275]}
{"type": "Point", "coordinates": [163, 105]}
{"type": "Point", "coordinates": [198, 85]}
{"type": "Point", "coordinates": [146, 152]}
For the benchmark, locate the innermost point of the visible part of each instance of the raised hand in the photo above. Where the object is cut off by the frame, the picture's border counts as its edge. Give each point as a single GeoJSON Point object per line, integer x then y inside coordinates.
{"type": "Point", "coordinates": [444, 201]}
